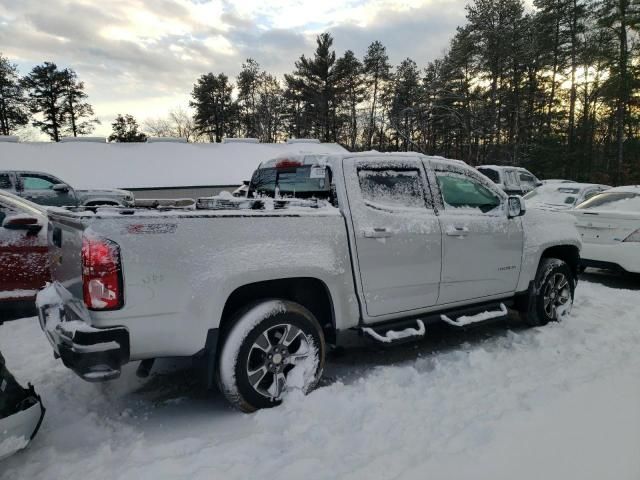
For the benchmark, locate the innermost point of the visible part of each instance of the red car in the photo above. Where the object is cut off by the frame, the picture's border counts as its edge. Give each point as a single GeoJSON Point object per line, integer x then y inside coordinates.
{"type": "Point", "coordinates": [24, 266]}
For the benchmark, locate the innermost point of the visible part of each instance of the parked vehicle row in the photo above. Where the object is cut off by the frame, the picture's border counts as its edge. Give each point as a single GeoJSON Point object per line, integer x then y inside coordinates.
{"type": "Point", "coordinates": [24, 262]}
{"type": "Point", "coordinates": [562, 196]}
{"type": "Point", "coordinates": [609, 225]}
{"type": "Point", "coordinates": [513, 180]}
{"type": "Point", "coordinates": [45, 189]}
{"type": "Point", "coordinates": [258, 291]}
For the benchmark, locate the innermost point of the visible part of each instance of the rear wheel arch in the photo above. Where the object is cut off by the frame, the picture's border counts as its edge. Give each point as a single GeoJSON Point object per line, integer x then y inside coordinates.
{"type": "Point", "coordinates": [309, 292]}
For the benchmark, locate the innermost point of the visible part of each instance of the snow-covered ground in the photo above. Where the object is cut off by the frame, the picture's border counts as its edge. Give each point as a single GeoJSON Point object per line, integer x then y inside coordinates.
{"type": "Point", "coordinates": [500, 401]}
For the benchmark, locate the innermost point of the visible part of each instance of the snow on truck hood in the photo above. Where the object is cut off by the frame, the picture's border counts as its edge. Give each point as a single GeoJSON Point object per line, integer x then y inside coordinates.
{"type": "Point", "coordinates": [150, 165]}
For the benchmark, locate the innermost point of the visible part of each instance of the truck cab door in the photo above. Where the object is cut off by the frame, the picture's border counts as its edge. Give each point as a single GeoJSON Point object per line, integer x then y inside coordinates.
{"type": "Point", "coordinates": [481, 246]}
{"type": "Point", "coordinates": [396, 234]}
{"type": "Point", "coordinates": [39, 188]}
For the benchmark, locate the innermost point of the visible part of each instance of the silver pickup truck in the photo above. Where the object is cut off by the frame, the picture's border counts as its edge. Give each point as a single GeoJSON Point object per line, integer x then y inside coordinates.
{"type": "Point", "coordinates": [256, 288]}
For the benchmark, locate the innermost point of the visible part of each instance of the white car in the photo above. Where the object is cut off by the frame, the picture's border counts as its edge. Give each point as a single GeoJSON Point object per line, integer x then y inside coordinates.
{"type": "Point", "coordinates": [609, 224]}
{"type": "Point", "coordinates": [562, 196]}
{"type": "Point", "coordinates": [513, 180]}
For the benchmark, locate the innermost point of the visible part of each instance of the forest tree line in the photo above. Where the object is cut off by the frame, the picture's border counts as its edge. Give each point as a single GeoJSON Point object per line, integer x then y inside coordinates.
{"type": "Point", "coordinates": [554, 89]}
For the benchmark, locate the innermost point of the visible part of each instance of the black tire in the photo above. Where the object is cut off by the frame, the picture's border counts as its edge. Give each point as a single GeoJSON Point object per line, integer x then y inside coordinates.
{"type": "Point", "coordinates": [255, 355]}
{"type": "Point", "coordinates": [550, 299]}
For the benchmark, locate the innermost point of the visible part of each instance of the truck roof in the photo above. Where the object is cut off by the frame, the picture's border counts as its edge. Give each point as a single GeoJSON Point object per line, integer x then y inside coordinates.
{"type": "Point", "coordinates": [325, 159]}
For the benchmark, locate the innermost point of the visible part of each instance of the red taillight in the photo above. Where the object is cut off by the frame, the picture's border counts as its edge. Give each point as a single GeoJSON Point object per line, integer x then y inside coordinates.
{"type": "Point", "coordinates": [286, 163]}
{"type": "Point", "coordinates": [101, 274]}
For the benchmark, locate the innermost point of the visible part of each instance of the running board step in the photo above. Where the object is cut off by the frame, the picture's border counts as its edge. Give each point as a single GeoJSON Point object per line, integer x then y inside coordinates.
{"type": "Point", "coordinates": [465, 320]}
{"type": "Point", "coordinates": [396, 336]}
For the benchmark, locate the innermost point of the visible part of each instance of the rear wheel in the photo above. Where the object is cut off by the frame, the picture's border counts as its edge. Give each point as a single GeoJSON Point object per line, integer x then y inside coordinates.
{"type": "Point", "coordinates": [272, 347]}
{"type": "Point", "coordinates": [552, 293]}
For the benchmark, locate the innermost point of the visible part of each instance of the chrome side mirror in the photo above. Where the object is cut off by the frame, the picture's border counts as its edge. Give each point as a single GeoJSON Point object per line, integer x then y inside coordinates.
{"type": "Point", "coordinates": [515, 206]}
{"type": "Point", "coordinates": [30, 225]}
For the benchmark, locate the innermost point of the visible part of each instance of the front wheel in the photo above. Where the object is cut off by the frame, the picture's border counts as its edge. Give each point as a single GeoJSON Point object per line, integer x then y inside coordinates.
{"type": "Point", "coordinates": [272, 347]}
{"type": "Point", "coordinates": [552, 294]}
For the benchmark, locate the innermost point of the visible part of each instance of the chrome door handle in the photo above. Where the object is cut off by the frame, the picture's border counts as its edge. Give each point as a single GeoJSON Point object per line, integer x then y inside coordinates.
{"type": "Point", "coordinates": [457, 231]}
{"type": "Point", "coordinates": [376, 233]}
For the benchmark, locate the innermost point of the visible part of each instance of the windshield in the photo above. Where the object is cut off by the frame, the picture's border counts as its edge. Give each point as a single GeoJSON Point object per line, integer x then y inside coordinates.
{"type": "Point", "coordinates": [561, 196]}
{"type": "Point", "coordinates": [305, 181]}
{"type": "Point", "coordinates": [623, 201]}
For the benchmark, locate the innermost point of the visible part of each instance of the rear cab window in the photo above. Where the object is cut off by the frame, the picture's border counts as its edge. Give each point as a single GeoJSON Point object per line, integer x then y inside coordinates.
{"type": "Point", "coordinates": [292, 178]}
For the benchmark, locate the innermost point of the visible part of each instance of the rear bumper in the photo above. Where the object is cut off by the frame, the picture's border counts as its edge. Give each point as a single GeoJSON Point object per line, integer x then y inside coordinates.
{"type": "Point", "coordinates": [622, 255]}
{"type": "Point", "coordinates": [95, 354]}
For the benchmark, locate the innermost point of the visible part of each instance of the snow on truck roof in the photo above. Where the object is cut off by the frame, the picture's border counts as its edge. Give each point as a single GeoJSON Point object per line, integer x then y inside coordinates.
{"type": "Point", "coordinates": [150, 165]}
{"type": "Point", "coordinates": [321, 159]}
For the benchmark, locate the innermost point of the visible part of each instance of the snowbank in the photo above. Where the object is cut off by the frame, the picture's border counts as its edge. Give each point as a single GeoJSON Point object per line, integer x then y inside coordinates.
{"type": "Point", "coordinates": [149, 165]}
{"type": "Point", "coordinates": [556, 402]}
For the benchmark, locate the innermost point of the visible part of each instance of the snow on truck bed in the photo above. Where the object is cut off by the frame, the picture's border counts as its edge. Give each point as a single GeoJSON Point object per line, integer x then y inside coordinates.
{"type": "Point", "coordinates": [150, 165]}
{"type": "Point", "coordinates": [556, 402]}
{"type": "Point", "coordinates": [218, 206]}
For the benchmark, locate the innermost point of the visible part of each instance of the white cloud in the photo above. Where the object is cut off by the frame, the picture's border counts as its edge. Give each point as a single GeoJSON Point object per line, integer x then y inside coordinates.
{"type": "Point", "coordinates": [143, 56]}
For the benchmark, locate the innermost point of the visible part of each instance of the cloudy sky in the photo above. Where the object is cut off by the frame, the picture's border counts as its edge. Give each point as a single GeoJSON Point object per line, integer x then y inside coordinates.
{"type": "Point", "coordinates": [143, 56]}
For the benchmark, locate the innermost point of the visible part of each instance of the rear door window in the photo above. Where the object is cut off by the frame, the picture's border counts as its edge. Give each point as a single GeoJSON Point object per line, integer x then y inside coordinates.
{"type": "Point", "coordinates": [392, 188]}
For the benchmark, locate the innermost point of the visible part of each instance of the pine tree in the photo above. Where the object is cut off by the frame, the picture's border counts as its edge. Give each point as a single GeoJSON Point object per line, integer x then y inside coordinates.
{"type": "Point", "coordinates": [495, 27]}
{"type": "Point", "coordinates": [126, 130]}
{"type": "Point", "coordinates": [79, 118]}
{"type": "Point", "coordinates": [406, 102]}
{"type": "Point", "coordinates": [350, 90]}
{"type": "Point", "coordinates": [315, 80]}
{"type": "Point", "coordinates": [13, 109]}
{"type": "Point", "coordinates": [623, 17]}
{"type": "Point", "coordinates": [377, 71]}
{"type": "Point", "coordinates": [248, 83]}
{"type": "Point", "coordinates": [269, 109]}
{"type": "Point", "coordinates": [46, 85]}
{"type": "Point", "coordinates": [216, 113]}
{"type": "Point", "coordinates": [260, 102]}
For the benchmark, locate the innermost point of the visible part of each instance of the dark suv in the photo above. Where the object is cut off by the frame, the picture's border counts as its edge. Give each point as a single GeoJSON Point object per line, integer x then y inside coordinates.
{"type": "Point", "coordinates": [45, 189]}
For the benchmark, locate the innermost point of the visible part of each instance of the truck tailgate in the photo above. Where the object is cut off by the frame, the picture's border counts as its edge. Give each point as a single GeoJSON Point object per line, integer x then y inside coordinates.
{"type": "Point", "coordinates": [65, 249]}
